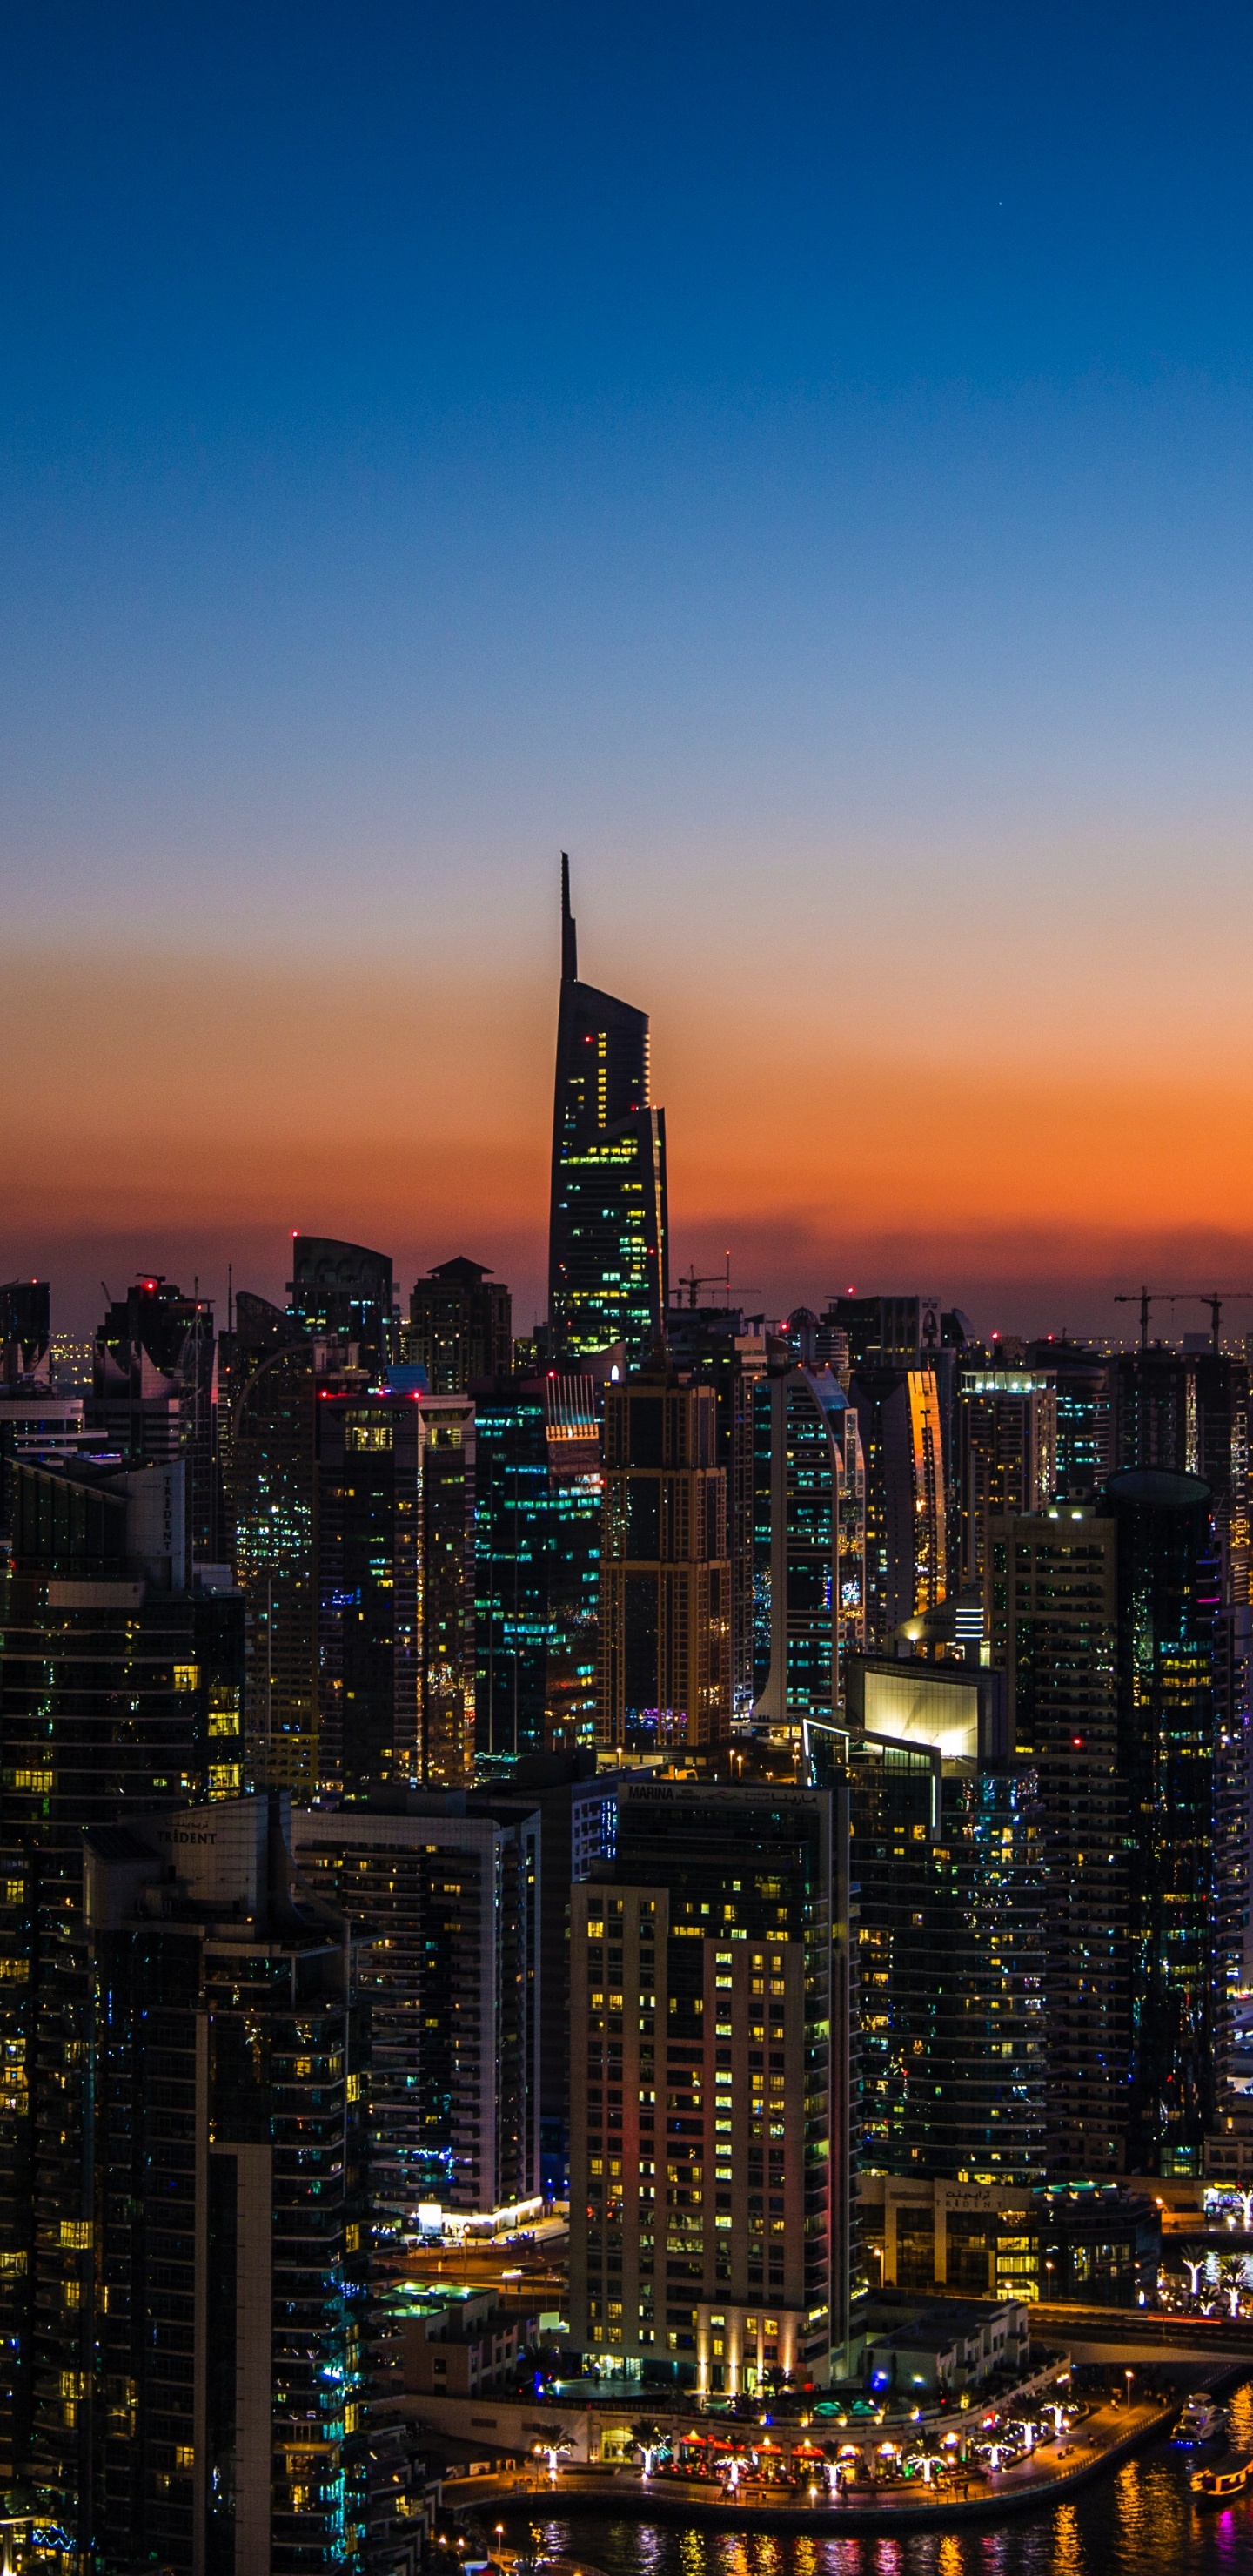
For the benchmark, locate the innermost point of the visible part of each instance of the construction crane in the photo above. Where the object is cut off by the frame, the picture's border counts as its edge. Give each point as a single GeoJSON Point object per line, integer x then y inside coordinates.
{"type": "Point", "coordinates": [693, 1280]}
{"type": "Point", "coordinates": [1147, 1298]}
{"type": "Point", "coordinates": [1229, 1297]}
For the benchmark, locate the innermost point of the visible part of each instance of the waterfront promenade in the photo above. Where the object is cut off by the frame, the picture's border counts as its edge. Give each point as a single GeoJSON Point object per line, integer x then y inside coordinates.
{"type": "Point", "coordinates": [1051, 2470]}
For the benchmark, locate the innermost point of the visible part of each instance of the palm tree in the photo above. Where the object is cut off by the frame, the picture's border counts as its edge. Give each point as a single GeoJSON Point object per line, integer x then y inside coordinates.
{"type": "Point", "coordinates": [1193, 2258]}
{"type": "Point", "coordinates": [1233, 2278]}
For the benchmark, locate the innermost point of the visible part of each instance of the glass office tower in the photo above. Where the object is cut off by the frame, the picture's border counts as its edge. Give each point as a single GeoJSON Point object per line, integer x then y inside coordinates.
{"type": "Point", "coordinates": [809, 1543]}
{"type": "Point", "coordinates": [538, 1488]}
{"type": "Point", "coordinates": [607, 1266]}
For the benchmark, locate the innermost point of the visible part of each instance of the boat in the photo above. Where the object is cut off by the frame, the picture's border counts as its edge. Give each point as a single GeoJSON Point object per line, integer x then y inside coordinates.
{"type": "Point", "coordinates": [1200, 2421]}
{"type": "Point", "coordinates": [1221, 2478]}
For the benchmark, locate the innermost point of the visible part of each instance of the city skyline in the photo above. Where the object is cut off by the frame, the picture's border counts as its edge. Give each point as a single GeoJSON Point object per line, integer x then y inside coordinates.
{"type": "Point", "coordinates": [801, 471]}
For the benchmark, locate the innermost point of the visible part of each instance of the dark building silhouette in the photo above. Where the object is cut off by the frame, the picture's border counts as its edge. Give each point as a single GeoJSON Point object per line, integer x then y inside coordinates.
{"type": "Point", "coordinates": [460, 1326]}
{"type": "Point", "coordinates": [1053, 1623]}
{"type": "Point", "coordinates": [607, 1262]}
{"type": "Point", "coordinates": [345, 1290]}
{"type": "Point", "coordinates": [393, 1547]}
{"type": "Point", "coordinates": [25, 1327]}
{"type": "Point", "coordinates": [154, 1395]}
{"type": "Point", "coordinates": [720, 1347]}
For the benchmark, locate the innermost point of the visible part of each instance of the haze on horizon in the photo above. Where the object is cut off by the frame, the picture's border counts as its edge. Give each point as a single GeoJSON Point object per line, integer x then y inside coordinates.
{"type": "Point", "coordinates": [800, 465]}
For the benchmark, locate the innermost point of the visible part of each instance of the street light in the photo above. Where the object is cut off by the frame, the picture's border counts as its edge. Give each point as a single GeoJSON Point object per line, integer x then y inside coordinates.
{"type": "Point", "coordinates": [1128, 2375]}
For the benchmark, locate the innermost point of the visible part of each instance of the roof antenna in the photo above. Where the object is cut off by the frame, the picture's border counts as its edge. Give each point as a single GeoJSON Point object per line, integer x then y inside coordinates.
{"type": "Point", "coordinates": [569, 943]}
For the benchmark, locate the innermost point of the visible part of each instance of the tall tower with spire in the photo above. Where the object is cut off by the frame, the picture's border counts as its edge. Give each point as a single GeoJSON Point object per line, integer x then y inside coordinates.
{"type": "Point", "coordinates": [607, 1256]}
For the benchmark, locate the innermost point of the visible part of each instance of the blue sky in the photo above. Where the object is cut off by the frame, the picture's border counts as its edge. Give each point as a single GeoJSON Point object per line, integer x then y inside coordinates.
{"type": "Point", "coordinates": [797, 459]}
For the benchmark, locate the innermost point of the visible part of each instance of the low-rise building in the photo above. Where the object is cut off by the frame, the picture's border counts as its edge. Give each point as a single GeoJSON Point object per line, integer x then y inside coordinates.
{"type": "Point", "coordinates": [449, 2343]}
{"type": "Point", "coordinates": [948, 2346]}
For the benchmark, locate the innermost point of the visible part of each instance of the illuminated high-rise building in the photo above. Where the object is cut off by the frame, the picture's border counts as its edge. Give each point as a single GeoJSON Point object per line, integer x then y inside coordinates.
{"type": "Point", "coordinates": [223, 2249]}
{"type": "Point", "coordinates": [274, 1374]}
{"type": "Point", "coordinates": [607, 1262]}
{"type": "Point", "coordinates": [393, 1522]}
{"type": "Point", "coordinates": [102, 1720]}
{"type": "Point", "coordinates": [711, 2187]}
{"type": "Point", "coordinates": [665, 1577]}
{"type": "Point", "coordinates": [1006, 1454]}
{"type": "Point", "coordinates": [537, 1516]}
{"type": "Point", "coordinates": [900, 1419]}
{"type": "Point", "coordinates": [809, 1536]}
{"type": "Point", "coordinates": [451, 1905]}
{"type": "Point", "coordinates": [1085, 1414]}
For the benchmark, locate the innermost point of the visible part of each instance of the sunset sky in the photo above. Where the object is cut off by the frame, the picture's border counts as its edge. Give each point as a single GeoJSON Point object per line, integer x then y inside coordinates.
{"type": "Point", "coordinates": [800, 461]}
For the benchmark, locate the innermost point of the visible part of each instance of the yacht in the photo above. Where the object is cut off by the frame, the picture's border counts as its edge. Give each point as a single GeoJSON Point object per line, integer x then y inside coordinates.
{"type": "Point", "coordinates": [1200, 2421]}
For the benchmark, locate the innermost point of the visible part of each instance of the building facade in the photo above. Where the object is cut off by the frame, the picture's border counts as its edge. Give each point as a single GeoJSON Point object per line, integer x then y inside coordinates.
{"type": "Point", "coordinates": [224, 2409]}
{"type": "Point", "coordinates": [449, 1905]}
{"type": "Point", "coordinates": [1168, 1592]}
{"type": "Point", "coordinates": [460, 1326]}
{"type": "Point", "coordinates": [1053, 1623]}
{"type": "Point", "coordinates": [710, 2193]}
{"type": "Point", "coordinates": [393, 1542]}
{"type": "Point", "coordinates": [537, 1529]}
{"type": "Point", "coordinates": [664, 1669]}
{"type": "Point", "coordinates": [608, 1251]}
{"type": "Point", "coordinates": [809, 1544]}
{"type": "Point", "coordinates": [1006, 1455]}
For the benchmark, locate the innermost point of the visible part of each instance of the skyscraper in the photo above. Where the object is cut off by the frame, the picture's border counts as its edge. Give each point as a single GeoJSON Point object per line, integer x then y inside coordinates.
{"type": "Point", "coordinates": [25, 1327]}
{"type": "Point", "coordinates": [154, 1394]}
{"type": "Point", "coordinates": [809, 1537]}
{"type": "Point", "coordinates": [220, 2416]}
{"type": "Point", "coordinates": [392, 1539]}
{"type": "Point", "coordinates": [344, 1290]}
{"type": "Point", "coordinates": [1006, 1454]}
{"type": "Point", "coordinates": [721, 1347]}
{"type": "Point", "coordinates": [607, 1261]}
{"type": "Point", "coordinates": [102, 1721]}
{"type": "Point", "coordinates": [538, 1492]}
{"type": "Point", "coordinates": [1053, 1619]}
{"type": "Point", "coordinates": [1167, 1603]}
{"type": "Point", "coordinates": [664, 1676]}
{"type": "Point", "coordinates": [900, 1419]}
{"type": "Point", "coordinates": [276, 1372]}
{"type": "Point", "coordinates": [460, 1326]}
{"type": "Point", "coordinates": [450, 1904]}
{"type": "Point", "coordinates": [710, 2190]}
